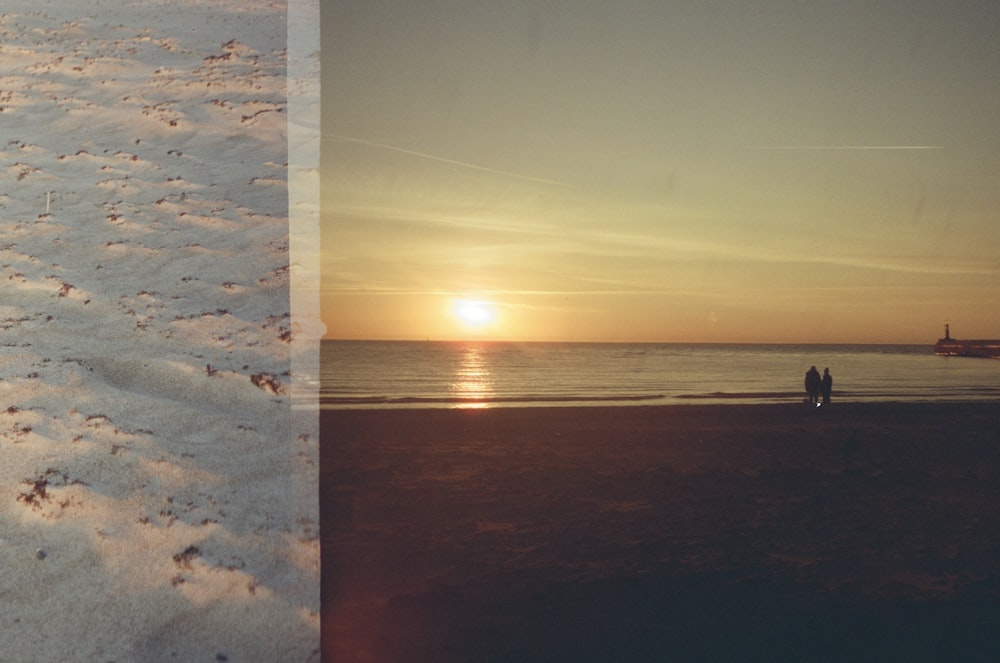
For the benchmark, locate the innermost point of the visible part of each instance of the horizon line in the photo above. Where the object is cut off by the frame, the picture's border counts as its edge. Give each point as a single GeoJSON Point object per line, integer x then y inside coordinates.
{"type": "Point", "coordinates": [617, 342]}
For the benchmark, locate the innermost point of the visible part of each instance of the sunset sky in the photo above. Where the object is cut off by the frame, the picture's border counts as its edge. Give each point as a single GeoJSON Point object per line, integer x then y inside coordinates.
{"type": "Point", "coordinates": [770, 171]}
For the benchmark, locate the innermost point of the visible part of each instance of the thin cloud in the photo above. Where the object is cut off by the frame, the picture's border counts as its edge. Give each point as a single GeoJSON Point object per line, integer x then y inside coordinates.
{"type": "Point", "coordinates": [602, 243]}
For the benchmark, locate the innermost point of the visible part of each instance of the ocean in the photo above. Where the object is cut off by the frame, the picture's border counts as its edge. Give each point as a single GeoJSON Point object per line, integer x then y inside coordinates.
{"type": "Point", "coordinates": [471, 374]}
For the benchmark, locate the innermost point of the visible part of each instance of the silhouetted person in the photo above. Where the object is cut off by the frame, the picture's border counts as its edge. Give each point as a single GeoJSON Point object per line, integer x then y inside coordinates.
{"type": "Point", "coordinates": [812, 385]}
{"type": "Point", "coordinates": [826, 386]}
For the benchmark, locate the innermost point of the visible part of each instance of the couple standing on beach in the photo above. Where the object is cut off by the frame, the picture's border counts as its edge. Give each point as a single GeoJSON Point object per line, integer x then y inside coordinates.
{"type": "Point", "coordinates": [817, 386]}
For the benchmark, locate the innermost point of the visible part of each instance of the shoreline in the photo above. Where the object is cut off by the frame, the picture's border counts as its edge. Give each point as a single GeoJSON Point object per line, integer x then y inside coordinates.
{"type": "Point", "coordinates": [725, 532]}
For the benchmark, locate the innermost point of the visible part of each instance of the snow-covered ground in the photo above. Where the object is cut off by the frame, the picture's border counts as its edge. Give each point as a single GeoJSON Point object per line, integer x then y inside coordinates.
{"type": "Point", "coordinates": [157, 490]}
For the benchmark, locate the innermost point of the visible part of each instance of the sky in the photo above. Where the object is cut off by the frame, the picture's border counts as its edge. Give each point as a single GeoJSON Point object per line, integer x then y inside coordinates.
{"type": "Point", "coordinates": [769, 171]}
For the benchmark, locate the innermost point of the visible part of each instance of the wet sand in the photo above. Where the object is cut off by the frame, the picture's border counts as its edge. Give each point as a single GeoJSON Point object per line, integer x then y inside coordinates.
{"type": "Point", "coordinates": [680, 533]}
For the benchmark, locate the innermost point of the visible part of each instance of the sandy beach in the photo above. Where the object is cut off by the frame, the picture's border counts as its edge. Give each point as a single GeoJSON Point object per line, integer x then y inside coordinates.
{"type": "Point", "coordinates": [157, 490]}
{"type": "Point", "coordinates": [681, 533]}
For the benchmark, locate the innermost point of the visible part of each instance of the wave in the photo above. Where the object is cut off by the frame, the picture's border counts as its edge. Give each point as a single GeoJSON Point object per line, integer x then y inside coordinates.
{"type": "Point", "coordinates": [350, 402]}
{"type": "Point", "coordinates": [731, 395]}
{"type": "Point", "coordinates": [950, 393]}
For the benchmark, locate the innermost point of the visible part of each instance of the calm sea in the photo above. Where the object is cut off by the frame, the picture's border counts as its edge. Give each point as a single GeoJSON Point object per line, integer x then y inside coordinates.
{"type": "Point", "coordinates": [428, 374]}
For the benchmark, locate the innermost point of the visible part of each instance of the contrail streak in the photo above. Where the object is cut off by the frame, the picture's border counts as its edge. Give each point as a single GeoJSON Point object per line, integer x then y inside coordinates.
{"type": "Point", "coordinates": [453, 162]}
{"type": "Point", "coordinates": [844, 147]}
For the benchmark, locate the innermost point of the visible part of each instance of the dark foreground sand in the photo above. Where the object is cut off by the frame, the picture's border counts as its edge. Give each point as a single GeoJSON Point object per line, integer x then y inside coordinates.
{"type": "Point", "coordinates": [682, 533]}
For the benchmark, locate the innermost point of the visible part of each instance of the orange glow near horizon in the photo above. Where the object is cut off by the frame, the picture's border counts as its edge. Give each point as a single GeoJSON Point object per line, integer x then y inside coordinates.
{"type": "Point", "coordinates": [494, 176]}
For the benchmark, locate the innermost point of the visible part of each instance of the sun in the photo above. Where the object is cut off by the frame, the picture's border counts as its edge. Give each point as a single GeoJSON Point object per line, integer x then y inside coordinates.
{"type": "Point", "coordinates": [474, 313]}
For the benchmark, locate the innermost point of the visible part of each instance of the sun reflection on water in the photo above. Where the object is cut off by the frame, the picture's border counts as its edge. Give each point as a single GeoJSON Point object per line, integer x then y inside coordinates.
{"type": "Point", "coordinates": [473, 382]}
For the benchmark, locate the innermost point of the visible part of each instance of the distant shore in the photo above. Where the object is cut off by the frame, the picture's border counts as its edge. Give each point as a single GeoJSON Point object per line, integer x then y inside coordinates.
{"type": "Point", "coordinates": [862, 531]}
